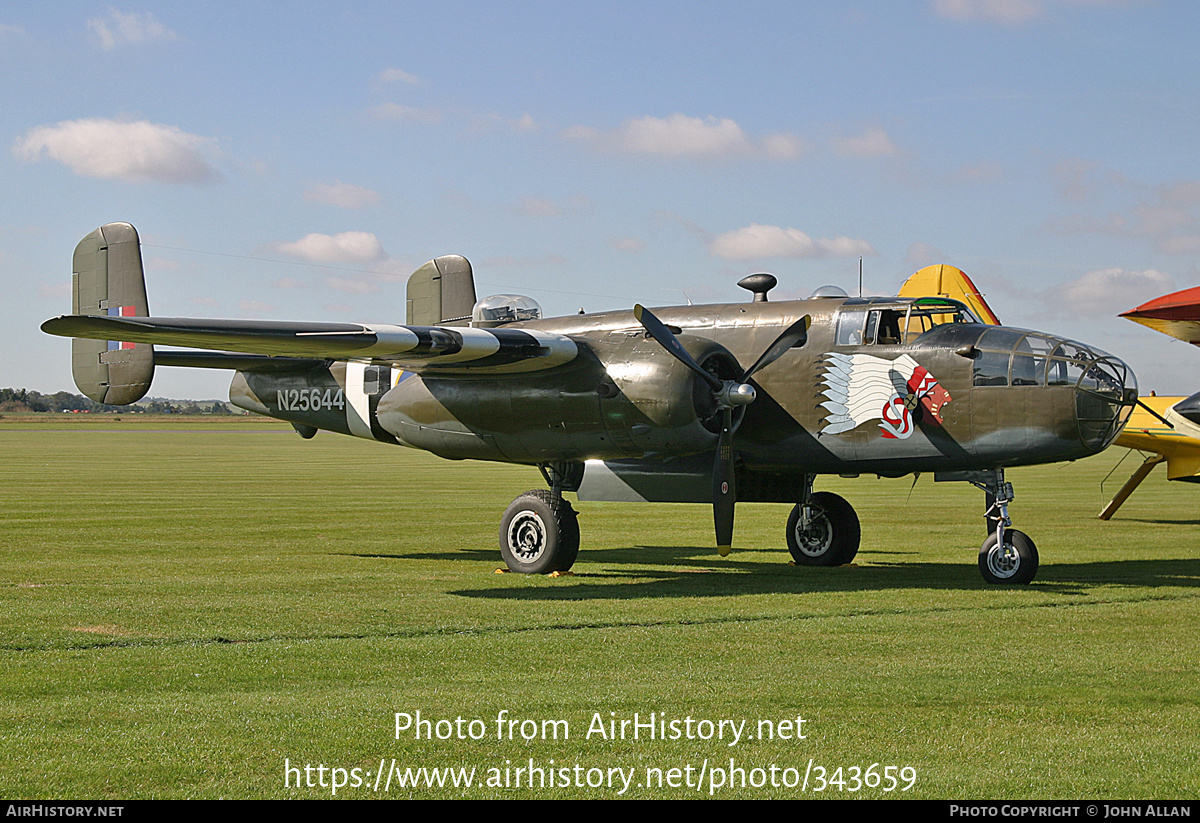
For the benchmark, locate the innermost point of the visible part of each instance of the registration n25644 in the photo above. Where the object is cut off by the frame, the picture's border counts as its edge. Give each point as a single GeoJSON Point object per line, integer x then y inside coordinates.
{"type": "Point", "coordinates": [309, 399]}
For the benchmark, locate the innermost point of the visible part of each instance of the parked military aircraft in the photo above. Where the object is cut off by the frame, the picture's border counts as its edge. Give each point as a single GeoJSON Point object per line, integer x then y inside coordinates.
{"type": "Point", "coordinates": [642, 405]}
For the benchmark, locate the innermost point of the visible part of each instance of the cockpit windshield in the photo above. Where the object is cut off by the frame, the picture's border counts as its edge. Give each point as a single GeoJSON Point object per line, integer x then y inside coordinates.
{"type": "Point", "coordinates": [870, 323]}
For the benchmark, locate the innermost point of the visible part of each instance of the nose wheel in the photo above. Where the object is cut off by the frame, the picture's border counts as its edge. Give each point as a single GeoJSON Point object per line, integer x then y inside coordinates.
{"type": "Point", "coordinates": [1007, 556]}
{"type": "Point", "coordinates": [1015, 561]}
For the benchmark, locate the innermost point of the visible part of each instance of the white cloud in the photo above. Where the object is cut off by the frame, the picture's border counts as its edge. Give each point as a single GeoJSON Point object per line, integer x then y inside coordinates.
{"type": "Point", "coordinates": [525, 124]}
{"type": "Point", "coordinates": [398, 76]}
{"type": "Point", "coordinates": [1083, 181]}
{"type": "Point", "coordinates": [120, 28]}
{"type": "Point", "coordinates": [783, 146]}
{"type": "Point", "coordinates": [1107, 292]}
{"type": "Point", "coordinates": [121, 150]}
{"type": "Point", "coordinates": [1008, 12]}
{"type": "Point", "coordinates": [1170, 221]}
{"type": "Point", "coordinates": [346, 247]}
{"type": "Point", "coordinates": [923, 254]}
{"type": "Point", "coordinates": [395, 111]}
{"type": "Point", "coordinates": [681, 136]}
{"type": "Point", "coordinates": [874, 142]}
{"type": "Point", "coordinates": [343, 195]}
{"type": "Point", "coordinates": [755, 242]}
{"type": "Point", "coordinates": [351, 285]}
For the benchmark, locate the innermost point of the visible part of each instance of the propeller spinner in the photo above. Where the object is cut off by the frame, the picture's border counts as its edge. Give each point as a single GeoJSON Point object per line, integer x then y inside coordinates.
{"type": "Point", "coordinates": [727, 394]}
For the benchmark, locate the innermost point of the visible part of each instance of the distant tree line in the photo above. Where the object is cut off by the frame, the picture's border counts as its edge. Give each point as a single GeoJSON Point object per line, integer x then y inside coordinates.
{"type": "Point", "coordinates": [23, 400]}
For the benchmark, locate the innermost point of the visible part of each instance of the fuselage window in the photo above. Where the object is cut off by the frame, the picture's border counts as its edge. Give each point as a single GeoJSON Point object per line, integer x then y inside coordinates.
{"type": "Point", "coordinates": [991, 368]}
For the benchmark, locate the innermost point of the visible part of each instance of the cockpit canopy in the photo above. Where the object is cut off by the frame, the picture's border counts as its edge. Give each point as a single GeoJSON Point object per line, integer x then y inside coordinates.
{"type": "Point", "coordinates": [888, 322]}
{"type": "Point", "coordinates": [498, 309]}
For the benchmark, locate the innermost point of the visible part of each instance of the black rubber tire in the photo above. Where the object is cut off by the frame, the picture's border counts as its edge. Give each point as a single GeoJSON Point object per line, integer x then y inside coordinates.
{"type": "Point", "coordinates": [1017, 566]}
{"type": "Point", "coordinates": [833, 536]}
{"type": "Point", "coordinates": [539, 534]}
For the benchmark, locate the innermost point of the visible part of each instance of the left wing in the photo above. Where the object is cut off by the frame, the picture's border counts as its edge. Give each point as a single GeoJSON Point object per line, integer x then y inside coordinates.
{"type": "Point", "coordinates": [413, 348]}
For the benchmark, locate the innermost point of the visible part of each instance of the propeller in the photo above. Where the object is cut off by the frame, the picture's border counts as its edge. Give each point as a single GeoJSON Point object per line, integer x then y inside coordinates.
{"type": "Point", "coordinates": [728, 395]}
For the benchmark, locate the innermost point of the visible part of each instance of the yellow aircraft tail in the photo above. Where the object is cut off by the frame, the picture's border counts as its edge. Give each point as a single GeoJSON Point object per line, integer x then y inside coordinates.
{"type": "Point", "coordinates": [941, 280]}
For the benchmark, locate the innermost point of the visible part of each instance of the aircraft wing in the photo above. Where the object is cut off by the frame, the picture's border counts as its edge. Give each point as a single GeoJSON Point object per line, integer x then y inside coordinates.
{"type": "Point", "coordinates": [1175, 314]}
{"type": "Point", "coordinates": [413, 348]}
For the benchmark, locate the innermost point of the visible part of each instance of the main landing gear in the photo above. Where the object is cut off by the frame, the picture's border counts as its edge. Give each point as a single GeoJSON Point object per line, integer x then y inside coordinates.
{"type": "Point", "coordinates": [822, 529]}
{"type": "Point", "coordinates": [1008, 555]}
{"type": "Point", "coordinates": [540, 530]}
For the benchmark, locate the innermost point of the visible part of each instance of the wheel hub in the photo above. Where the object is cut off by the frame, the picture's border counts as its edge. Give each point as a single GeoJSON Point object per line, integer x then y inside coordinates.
{"type": "Point", "coordinates": [815, 538]}
{"type": "Point", "coordinates": [1004, 561]}
{"type": "Point", "coordinates": [527, 536]}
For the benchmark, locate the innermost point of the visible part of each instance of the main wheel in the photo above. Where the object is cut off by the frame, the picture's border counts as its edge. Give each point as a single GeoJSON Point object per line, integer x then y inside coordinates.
{"type": "Point", "coordinates": [539, 534]}
{"type": "Point", "coordinates": [832, 535]}
{"type": "Point", "coordinates": [1015, 563]}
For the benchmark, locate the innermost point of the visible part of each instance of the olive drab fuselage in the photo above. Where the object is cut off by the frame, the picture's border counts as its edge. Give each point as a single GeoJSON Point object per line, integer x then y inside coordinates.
{"type": "Point", "coordinates": [986, 400]}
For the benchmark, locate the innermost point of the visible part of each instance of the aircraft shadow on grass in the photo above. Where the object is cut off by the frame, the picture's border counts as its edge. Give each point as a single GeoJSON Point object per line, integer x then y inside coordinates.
{"type": "Point", "coordinates": [687, 571]}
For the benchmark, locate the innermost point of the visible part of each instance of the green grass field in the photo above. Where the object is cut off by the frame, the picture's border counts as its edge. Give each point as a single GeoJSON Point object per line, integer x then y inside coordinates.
{"type": "Point", "coordinates": [187, 604]}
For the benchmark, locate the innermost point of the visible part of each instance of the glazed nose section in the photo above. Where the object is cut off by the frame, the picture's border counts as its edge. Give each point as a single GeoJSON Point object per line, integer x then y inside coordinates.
{"type": "Point", "coordinates": [1104, 398]}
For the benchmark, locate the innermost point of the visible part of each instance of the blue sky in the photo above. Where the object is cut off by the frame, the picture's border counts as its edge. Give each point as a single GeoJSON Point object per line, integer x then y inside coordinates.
{"type": "Point", "coordinates": [297, 160]}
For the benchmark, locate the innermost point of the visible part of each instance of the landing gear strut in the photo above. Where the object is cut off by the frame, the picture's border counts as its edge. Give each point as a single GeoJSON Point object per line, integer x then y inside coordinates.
{"type": "Point", "coordinates": [540, 531]}
{"type": "Point", "coordinates": [1007, 556]}
{"type": "Point", "coordinates": [822, 529]}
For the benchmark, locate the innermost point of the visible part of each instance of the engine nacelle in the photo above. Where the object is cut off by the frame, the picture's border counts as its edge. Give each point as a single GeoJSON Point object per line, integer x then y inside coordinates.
{"type": "Point", "coordinates": [624, 396]}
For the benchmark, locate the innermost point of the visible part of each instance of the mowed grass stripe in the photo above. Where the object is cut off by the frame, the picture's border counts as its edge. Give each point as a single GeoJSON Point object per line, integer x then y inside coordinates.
{"type": "Point", "coordinates": [182, 610]}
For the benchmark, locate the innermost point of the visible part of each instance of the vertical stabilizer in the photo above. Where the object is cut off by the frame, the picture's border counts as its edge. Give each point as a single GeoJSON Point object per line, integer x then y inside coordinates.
{"type": "Point", "coordinates": [941, 280]}
{"type": "Point", "coordinates": [441, 293]}
{"type": "Point", "coordinates": [108, 281]}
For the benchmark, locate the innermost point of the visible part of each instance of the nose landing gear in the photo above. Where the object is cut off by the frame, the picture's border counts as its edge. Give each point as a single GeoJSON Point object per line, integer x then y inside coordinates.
{"type": "Point", "coordinates": [1008, 556]}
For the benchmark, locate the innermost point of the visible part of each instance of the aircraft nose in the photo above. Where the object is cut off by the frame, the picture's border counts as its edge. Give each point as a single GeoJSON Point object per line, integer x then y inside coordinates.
{"type": "Point", "coordinates": [1105, 394]}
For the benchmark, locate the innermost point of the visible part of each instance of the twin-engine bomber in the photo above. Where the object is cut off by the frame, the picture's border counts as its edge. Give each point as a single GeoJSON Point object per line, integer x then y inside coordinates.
{"type": "Point", "coordinates": [640, 405]}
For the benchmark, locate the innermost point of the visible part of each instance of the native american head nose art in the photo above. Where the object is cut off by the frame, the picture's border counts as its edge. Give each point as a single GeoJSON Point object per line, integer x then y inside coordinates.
{"type": "Point", "coordinates": [898, 393]}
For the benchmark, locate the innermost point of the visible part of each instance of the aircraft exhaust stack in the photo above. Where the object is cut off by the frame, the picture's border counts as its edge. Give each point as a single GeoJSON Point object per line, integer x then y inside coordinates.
{"type": "Point", "coordinates": [108, 282]}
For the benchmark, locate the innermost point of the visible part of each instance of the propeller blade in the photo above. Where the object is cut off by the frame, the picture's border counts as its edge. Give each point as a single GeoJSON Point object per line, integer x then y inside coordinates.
{"type": "Point", "coordinates": [670, 342]}
{"type": "Point", "coordinates": [794, 335]}
{"type": "Point", "coordinates": [724, 485]}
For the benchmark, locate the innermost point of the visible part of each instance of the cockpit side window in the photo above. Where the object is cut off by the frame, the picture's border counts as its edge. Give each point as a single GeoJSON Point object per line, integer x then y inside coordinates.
{"type": "Point", "coordinates": [850, 328]}
{"type": "Point", "coordinates": [889, 328]}
{"type": "Point", "coordinates": [877, 326]}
